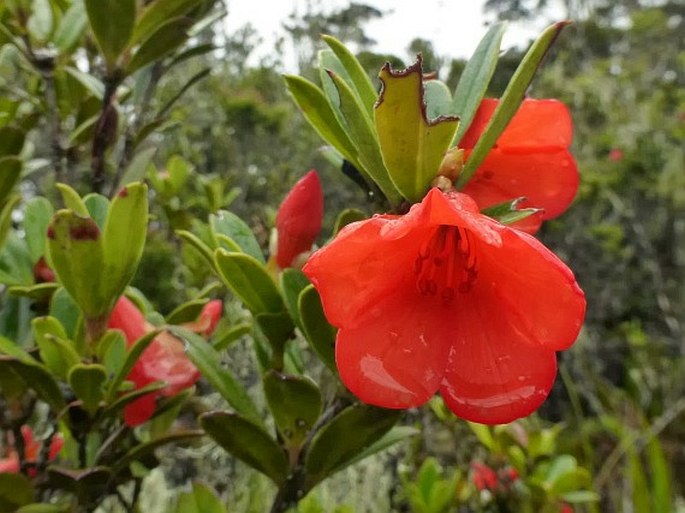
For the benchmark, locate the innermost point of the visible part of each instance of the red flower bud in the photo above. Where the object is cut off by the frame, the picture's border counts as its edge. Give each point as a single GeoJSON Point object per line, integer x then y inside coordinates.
{"type": "Point", "coordinates": [42, 272]}
{"type": "Point", "coordinates": [299, 219]}
{"type": "Point", "coordinates": [484, 478]}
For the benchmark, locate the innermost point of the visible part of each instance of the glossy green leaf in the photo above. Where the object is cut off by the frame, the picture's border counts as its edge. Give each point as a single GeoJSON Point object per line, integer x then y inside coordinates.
{"type": "Point", "coordinates": [293, 282]}
{"type": "Point", "coordinates": [359, 80]}
{"type": "Point", "coordinates": [208, 362]}
{"type": "Point", "coordinates": [37, 214]}
{"type": "Point", "coordinates": [90, 82]}
{"type": "Point", "coordinates": [72, 200]}
{"type": "Point", "coordinates": [277, 328]}
{"type": "Point", "coordinates": [395, 435]}
{"type": "Point", "coordinates": [475, 78]}
{"type": "Point", "coordinates": [413, 146]}
{"type": "Point", "coordinates": [141, 450]}
{"type": "Point", "coordinates": [10, 171]}
{"type": "Point", "coordinates": [86, 484]}
{"type": "Point", "coordinates": [198, 245]}
{"type": "Point", "coordinates": [87, 381]}
{"type": "Point", "coordinates": [230, 225]}
{"type": "Point", "coordinates": [71, 27]}
{"type": "Point", "coordinates": [295, 403]}
{"type": "Point", "coordinates": [112, 23]}
{"type": "Point", "coordinates": [76, 253]}
{"type": "Point", "coordinates": [40, 292]}
{"type": "Point", "coordinates": [58, 354]}
{"type": "Point", "coordinates": [98, 208]}
{"type": "Point", "coordinates": [338, 443]}
{"type": "Point", "coordinates": [36, 377]}
{"type": "Point", "coordinates": [65, 310]}
{"type": "Point", "coordinates": [201, 499]}
{"type": "Point", "coordinates": [510, 101]}
{"type": "Point", "coordinates": [124, 238]}
{"type": "Point", "coordinates": [438, 99]}
{"type": "Point", "coordinates": [363, 134]}
{"type": "Point", "coordinates": [163, 41]}
{"type": "Point", "coordinates": [158, 13]}
{"type": "Point", "coordinates": [15, 490]}
{"type": "Point", "coordinates": [249, 280]}
{"type": "Point", "coordinates": [248, 442]}
{"type": "Point", "coordinates": [187, 312]}
{"type": "Point", "coordinates": [225, 338]}
{"type": "Point", "coordinates": [318, 332]}
{"type": "Point", "coordinates": [111, 351]}
{"type": "Point", "coordinates": [113, 409]}
{"type": "Point", "coordinates": [41, 21]}
{"type": "Point", "coordinates": [320, 115]}
{"type": "Point", "coordinates": [347, 216]}
{"type": "Point", "coordinates": [6, 217]}
{"type": "Point", "coordinates": [132, 357]}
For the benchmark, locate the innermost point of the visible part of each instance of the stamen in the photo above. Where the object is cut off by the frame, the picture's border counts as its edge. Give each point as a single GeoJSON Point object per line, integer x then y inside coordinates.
{"type": "Point", "coordinates": [446, 263]}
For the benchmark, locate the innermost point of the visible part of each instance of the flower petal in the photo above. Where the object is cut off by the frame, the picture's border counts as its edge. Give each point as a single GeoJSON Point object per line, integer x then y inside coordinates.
{"type": "Point", "coordinates": [140, 410]}
{"type": "Point", "coordinates": [127, 318]}
{"type": "Point", "coordinates": [546, 180]}
{"type": "Point", "coordinates": [493, 375]}
{"type": "Point", "coordinates": [165, 360]}
{"type": "Point", "coordinates": [532, 290]}
{"type": "Point", "coordinates": [543, 125]}
{"type": "Point", "coordinates": [396, 357]}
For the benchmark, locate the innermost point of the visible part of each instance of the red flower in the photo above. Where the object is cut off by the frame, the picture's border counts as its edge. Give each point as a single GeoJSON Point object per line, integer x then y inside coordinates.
{"type": "Point", "coordinates": [163, 360]}
{"type": "Point", "coordinates": [32, 449]}
{"type": "Point", "coordinates": [299, 219]}
{"type": "Point", "coordinates": [530, 159]}
{"type": "Point", "coordinates": [616, 155]}
{"type": "Point", "coordinates": [565, 508]}
{"type": "Point", "coordinates": [484, 478]}
{"type": "Point", "coordinates": [445, 298]}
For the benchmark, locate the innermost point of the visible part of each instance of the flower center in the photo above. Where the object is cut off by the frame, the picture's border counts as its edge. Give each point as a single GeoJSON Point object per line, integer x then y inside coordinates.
{"type": "Point", "coordinates": [446, 263]}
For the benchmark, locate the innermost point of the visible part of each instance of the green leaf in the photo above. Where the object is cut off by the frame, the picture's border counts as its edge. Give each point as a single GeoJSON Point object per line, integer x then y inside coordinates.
{"type": "Point", "coordinates": [510, 101]}
{"type": "Point", "coordinates": [249, 280]}
{"type": "Point", "coordinates": [413, 146]}
{"type": "Point", "coordinates": [320, 115]}
{"type": "Point", "coordinates": [318, 332]}
{"type": "Point", "coordinates": [141, 450]}
{"type": "Point", "coordinates": [484, 435]}
{"type": "Point", "coordinates": [124, 238]}
{"type": "Point", "coordinates": [6, 217]}
{"type": "Point", "coordinates": [278, 328]}
{"type": "Point", "coordinates": [295, 403]}
{"type": "Point", "coordinates": [132, 357]}
{"type": "Point", "coordinates": [98, 207]}
{"type": "Point", "coordinates": [365, 139]}
{"type": "Point", "coordinates": [395, 435]}
{"type": "Point", "coordinates": [187, 312]}
{"type": "Point", "coordinates": [58, 354]}
{"type": "Point", "coordinates": [37, 377]}
{"type": "Point", "coordinates": [15, 490]}
{"type": "Point", "coordinates": [359, 80]}
{"type": "Point", "coordinates": [43, 508]}
{"type": "Point", "coordinates": [158, 13]}
{"type": "Point", "coordinates": [196, 243]}
{"type": "Point", "coordinates": [230, 225]}
{"type": "Point", "coordinates": [438, 99]}
{"type": "Point", "coordinates": [112, 23]}
{"type": "Point", "coordinates": [340, 441]}
{"type": "Point", "coordinates": [71, 27]}
{"type": "Point", "coordinates": [137, 169]}
{"type": "Point", "coordinates": [72, 200]}
{"type": "Point", "coordinates": [65, 310]}
{"type": "Point", "coordinates": [208, 361]}
{"type": "Point", "coordinates": [40, 23]}
{"type": "Point", "coordinates": [91, 83]}
{"type": "Point", "coordinates": [661, 477]}
{"type": "Point", "coordinates": [347, 216]}
{"type": "Point", "coordinates": [87, 381]}
{"type": "Point", "coordinates": [248, 442]}
{"type": "Point", "coordinates": [201, 499]}
{"type": "Point", "coordinates": [41, 292]}
{"type": "Point", "coordinates": [293, 282]}
{"type": "Point", "coordinates": [111, 351]}
{"type": "Point", "coordinates": [638, 482]}
{"type": "Point", "coordinates": [11, 141]}
{"type": "Point", "coordinates": [226, 337]}
{"type": "Point", "coordinates": [113, 409]}
{"type": "Point", "coordinates": [86, 484]}
{"type": "Point", "coordinates": [475, 78]}
{"type": "Point", "coordinates": [37, 215]}
{"type": "Point", "coordinates": [10, 171]}
{"type": "Point", "coordinates": [163, 41]}
{"type": "Point", "coordinates": [76, 253]}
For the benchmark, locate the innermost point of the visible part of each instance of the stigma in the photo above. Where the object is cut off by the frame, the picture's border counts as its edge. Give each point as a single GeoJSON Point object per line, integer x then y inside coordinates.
{"type": "Point", "coordinates": [446, 264]}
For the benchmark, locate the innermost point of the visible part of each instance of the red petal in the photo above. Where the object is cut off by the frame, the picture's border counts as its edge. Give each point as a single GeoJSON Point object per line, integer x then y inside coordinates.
{"type": "Point", "coordinates": [165, 360]}
{"type": "Point", "coordinates": [531, 289]}
{"type": "Point", "coordinates": [140, 410]}
{"type": "Point", "coordinates": [547, 180]}
{"type": "Point", "coordinates": [543, 125]}
{"type": "Point", "coordinates": [494, 375]}
{"type": "Point", "coordinates": [208, 319]}
{"type": "Point", "coordinates": [299, 219]}
{"type": "Point", "coordinates": [127, 318]}
{"type": "Point", "coordinates": [396, 356]}
{"type": "Point", "coordinates": [10, 464]}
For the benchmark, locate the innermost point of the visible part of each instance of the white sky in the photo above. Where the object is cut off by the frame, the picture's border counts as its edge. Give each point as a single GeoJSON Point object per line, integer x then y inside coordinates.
{"type": "Point", "coordinates": [453, 26]}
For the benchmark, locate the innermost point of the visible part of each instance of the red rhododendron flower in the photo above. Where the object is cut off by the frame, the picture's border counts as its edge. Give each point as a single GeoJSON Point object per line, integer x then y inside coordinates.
{"type": "Point", "coordinates": [530, 159]}
{"type": "Point", "coordinates": [484, 478]}
{"type": "Point", "coordinates": [163, 360]}
{"type": "Point", "coordinates": [299, 219]}
{"type": "Point", "coordinates": [32, 448]}
{"type": "Point", "coordinates": [445, 298]}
